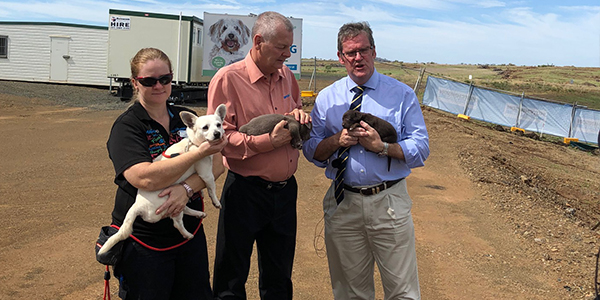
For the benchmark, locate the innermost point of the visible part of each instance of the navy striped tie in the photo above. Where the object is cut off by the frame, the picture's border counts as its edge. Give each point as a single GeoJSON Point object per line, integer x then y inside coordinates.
{"type": "Point", "coordinates": [343, 152]}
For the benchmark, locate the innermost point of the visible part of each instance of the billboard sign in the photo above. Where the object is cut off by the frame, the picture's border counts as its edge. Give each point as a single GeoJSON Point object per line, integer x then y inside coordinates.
{"type": "Point", "coordinates": [228, 38]}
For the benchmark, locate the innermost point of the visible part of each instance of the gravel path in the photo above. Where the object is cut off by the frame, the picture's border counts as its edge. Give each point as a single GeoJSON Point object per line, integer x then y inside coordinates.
{"type": "Point", "coordinates": [98, 98]}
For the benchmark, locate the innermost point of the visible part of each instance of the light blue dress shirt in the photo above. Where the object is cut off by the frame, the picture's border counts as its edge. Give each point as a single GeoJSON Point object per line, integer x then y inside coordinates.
{"type": "Point", "coordinates": [386, 98]}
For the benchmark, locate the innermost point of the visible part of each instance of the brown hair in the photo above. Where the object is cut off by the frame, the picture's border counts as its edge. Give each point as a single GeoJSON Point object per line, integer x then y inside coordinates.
{"type": "Point", "coordinates": [350, 30]}
{"type": "Point", "coordinates": [145, 55]}
{"type": "Point", "coordinates": [266, 24]}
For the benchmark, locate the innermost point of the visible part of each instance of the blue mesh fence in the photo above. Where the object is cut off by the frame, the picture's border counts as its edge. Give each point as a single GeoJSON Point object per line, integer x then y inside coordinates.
{"type": "Point", "coordinates": [558, 119]}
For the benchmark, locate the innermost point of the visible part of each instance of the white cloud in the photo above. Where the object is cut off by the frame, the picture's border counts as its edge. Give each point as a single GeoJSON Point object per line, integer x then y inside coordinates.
{"type": "Point", "coordinates": [443, 31]}
{"type": "Point", "coordinates": [419, 4]}
{"type": "Point", "coordinates": [528, 39]}
{"type": "Point", "coordinates": [482, 3]}
{"type": "Point", "coordinates": [366, 13]}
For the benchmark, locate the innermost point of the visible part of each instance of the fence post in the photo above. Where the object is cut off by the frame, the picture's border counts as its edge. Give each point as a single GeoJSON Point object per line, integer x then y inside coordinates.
{"type": "Point", "coordinates": [520, 109]}
{"type": "Point", "coordinates": [468, 98]}
{"type": "Point", "coordinates": [315, 72]}
{"type": "Point", "coordinates": [418, 84]}
{"type": "Point", "coordinates": [572, 120]}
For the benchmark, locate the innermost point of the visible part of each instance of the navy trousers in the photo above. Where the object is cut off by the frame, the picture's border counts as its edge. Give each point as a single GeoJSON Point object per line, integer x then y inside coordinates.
{"type": "Point", "coordinates": [256, 210]}
{"type": "Point", "coordinates": [176, 274]}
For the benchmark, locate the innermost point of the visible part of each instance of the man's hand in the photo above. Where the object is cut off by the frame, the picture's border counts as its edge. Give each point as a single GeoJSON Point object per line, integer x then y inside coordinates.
{"type": "Point", "coordinates": [300, 116]}
{"type": "Point", "coordinates": [368, 137]}
{"type": "Point", "coordinates": [346, 139]}
{"type": "Point", "coordinates": [280, 135]}
{"type": "Point", "coordinates": [211, 147]}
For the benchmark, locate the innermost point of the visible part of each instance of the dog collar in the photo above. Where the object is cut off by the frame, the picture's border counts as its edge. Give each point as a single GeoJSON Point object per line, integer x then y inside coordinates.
{"type": "Point", "coordinates": [187, 148]}
{"type": "Point", "coordinates": [170, 156]}
{"type": "Point", "coordinates": [189, 144]}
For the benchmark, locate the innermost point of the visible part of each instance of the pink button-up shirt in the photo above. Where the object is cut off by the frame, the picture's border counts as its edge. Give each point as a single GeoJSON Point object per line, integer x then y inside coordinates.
{"type": "Point", "coordinates": [247, 93]}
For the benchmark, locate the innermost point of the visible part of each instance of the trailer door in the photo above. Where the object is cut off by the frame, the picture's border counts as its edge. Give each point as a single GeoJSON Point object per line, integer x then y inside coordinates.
{"type": "Point", "coordinates": [59, 58]}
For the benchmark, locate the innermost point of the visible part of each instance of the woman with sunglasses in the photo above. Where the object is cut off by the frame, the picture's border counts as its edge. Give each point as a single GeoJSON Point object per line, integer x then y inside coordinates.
{"type": "Point", "coordinates": [157, 262]}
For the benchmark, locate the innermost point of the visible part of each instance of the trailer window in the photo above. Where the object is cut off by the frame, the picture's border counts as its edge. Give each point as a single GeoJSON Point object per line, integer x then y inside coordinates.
{"type": "Point", "coordinates": [199, 36]}
{"type": "Point", "coordinates": [3, 46]}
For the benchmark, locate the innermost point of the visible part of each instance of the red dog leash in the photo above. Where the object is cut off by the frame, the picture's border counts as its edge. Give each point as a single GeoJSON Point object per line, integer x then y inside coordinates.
{"type": "Point", "coordinates": [106, 284]}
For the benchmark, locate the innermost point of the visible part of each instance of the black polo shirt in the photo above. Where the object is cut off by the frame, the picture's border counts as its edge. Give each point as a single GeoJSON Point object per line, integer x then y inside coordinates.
{"type": "Point", "coordinates": [136, 138]}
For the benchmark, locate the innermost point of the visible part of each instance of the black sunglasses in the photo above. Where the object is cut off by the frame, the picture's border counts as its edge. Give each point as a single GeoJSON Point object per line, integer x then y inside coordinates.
{"type": "Point", "coordinates": [151, 81]}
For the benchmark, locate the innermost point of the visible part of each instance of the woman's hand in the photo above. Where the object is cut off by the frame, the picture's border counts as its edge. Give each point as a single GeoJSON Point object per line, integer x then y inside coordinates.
{"type": "Point", "coordinates": [177, 194]}
{"type": "Point", "coordinates": [176, 202]}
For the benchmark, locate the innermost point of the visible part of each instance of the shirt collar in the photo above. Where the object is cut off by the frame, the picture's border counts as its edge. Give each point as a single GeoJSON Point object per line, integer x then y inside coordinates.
{"type": "Point", "coordinates": [372, 83]}
{"type": "Point", "coordinates": [141, 113]}
{"type": "Point", "coordinates": [254, 73]}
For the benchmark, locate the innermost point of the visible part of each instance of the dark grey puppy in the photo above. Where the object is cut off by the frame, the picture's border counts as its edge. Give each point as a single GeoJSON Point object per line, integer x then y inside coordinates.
{"type": "Point", "coordinates": [351, 119]}
{"type": "Point", "coordinates": [265, 124]}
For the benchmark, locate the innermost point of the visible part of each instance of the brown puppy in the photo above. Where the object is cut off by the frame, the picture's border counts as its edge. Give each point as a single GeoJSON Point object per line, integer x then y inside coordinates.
{"type": "Point", "coordinates": [265, 124]}
{"type": "Point", "coordinates": [351, 119]}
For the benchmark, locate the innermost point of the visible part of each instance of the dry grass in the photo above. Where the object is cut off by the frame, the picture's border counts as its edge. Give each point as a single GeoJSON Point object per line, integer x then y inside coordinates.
{"type": "Point", "coordinates": [563, 84]}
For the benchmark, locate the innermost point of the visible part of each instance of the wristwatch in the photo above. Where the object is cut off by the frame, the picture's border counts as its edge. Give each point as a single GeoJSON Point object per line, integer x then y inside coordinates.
{"type": "Point", "coordinates": [384, 152]}
{"type": "Point", "coordinates": [188, 189]}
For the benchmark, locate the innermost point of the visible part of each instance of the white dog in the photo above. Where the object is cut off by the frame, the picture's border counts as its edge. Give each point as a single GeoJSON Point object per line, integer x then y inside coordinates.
{"type": "Point", "coordinates": [229, 36]}
{"type": "Point", "coordinates": [199, 130]}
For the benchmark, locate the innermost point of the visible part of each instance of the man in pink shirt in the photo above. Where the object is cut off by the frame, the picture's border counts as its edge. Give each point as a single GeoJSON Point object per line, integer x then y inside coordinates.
{"type": "Point", "coordinates": [260, 192]}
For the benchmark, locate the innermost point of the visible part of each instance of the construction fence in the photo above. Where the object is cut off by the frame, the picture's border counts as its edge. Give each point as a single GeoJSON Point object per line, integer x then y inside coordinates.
{"type": "Point", "coordinates": [511, 110]}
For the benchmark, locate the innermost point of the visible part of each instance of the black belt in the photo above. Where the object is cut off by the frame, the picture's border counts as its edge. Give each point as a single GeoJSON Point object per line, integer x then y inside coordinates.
{"type": "Point", "coordinates": [269, 185]}
{"type": "Point", "coordinates": [372, 190]}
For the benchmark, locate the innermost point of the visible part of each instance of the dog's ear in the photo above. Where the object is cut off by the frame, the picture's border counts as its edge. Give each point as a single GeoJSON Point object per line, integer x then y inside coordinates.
{"type": "Point", "coordinates": [245, 32]}
{"type": "Point", "coordinates": [214, 31]}
{"type": "Point", "coordinates": [305, 130]}
{"type": "Point", "coordinates": [308, 126]}
{"type": "Point", "coordinates": [188, 118]}
{"type": "Point", "coordinates": [221, 111]}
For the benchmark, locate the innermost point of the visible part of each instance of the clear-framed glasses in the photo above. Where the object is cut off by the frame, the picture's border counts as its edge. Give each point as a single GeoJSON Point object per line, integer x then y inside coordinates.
{"type": "Point", "coordinates": [363, 52]}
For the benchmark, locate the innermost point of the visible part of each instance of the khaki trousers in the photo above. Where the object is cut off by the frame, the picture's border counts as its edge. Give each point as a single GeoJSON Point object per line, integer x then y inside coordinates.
{"type": "Point", "coordinates": [364, 230]}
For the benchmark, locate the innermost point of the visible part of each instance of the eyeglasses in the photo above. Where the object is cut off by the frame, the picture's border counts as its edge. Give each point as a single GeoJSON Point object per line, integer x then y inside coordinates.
{"type": "Point", "coordinates": [363, 52]}
{"type": "Point", "coordinates": [151, 81]}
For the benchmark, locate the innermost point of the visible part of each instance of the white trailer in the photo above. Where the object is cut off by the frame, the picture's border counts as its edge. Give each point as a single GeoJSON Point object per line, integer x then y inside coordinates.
{"type": "Point", "coordinates": [54, 53]}
{"type": "Point", "coordinates": [180, 37]}
{"type": "Point", "coordinates": [191, 44]}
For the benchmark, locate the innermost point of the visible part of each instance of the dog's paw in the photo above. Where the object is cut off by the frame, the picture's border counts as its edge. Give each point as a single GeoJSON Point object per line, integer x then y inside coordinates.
{"type": "Point", "coordinates": [189, 237]}
{"type": "Point", "coordinates": [217, 205]}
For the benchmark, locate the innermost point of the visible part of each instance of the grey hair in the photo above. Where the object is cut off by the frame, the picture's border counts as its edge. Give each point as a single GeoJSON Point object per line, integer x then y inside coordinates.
{"type": "Point", "coordinates": [350, 30]}
{"type": "Point", "coordinates": [267, 22]}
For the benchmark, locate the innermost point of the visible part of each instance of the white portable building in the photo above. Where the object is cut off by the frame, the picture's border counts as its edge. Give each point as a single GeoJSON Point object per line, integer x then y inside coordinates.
{"type": "Point", "coordinates": [54, 52]}
{"type": "Point", "coordinates": [180, 37]}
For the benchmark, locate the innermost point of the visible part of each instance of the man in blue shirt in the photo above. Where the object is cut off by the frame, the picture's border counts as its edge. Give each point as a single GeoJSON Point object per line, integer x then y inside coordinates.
{"type": "Point", "coordinates": [368, 217]}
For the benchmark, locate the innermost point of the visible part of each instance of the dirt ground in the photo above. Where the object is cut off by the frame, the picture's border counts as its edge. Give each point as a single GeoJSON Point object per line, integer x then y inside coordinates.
{"type": "Point", "coordinates": [498, 215]}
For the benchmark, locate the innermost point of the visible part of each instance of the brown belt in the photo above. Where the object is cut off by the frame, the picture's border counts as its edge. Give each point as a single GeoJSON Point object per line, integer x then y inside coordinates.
{"type": "Point", "coordinates": [372, 190]}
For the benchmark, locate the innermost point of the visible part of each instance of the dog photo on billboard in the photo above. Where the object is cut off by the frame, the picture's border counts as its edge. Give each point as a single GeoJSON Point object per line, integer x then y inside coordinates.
{"type": "Point", "coordinates": [229, 37]}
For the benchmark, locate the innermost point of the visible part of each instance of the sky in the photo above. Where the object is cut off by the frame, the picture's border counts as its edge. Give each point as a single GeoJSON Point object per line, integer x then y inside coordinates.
{"type": "Point", "coordinates": [530, 33]}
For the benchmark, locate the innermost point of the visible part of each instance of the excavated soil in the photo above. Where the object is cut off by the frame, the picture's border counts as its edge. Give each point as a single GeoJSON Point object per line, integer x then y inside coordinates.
{"type": "Point", "coordinates": [498, 215]}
